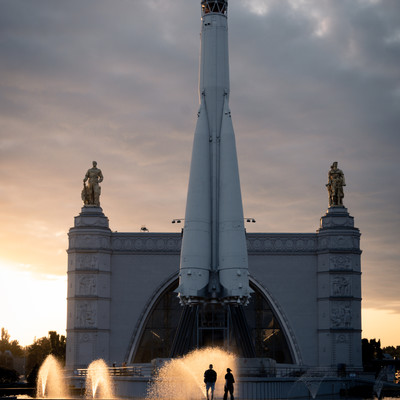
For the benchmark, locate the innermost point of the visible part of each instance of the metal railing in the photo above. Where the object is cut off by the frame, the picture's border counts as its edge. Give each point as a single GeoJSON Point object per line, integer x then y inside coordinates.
{"type": "Point", "coordinates": [116, 371]}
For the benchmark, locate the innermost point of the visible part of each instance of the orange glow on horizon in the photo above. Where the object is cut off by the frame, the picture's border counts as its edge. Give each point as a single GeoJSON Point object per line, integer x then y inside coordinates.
{"type": "Point", "coordinates": [381, 324]}
{"type": "Point", "coordinates": [32, 304]}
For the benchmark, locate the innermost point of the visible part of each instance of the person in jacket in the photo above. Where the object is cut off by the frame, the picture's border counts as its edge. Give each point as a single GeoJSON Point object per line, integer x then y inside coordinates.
{"type": "Point", "coordinates": [210, 377]}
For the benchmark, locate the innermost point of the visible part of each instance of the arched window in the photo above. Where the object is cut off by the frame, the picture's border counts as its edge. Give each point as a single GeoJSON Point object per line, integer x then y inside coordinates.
{"type": "Point", "coordinates": [159, 329]}
{"type": "Point", "coordinates": [269, 338]}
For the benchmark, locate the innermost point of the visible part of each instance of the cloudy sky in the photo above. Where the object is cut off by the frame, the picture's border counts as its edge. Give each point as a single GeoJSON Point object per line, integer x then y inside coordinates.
{"type": "Point", "coordinates": [312, 82]}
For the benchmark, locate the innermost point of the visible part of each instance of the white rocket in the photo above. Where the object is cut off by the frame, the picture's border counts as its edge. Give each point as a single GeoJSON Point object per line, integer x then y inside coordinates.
{"type": "Point", "coordinates": [214, 265]}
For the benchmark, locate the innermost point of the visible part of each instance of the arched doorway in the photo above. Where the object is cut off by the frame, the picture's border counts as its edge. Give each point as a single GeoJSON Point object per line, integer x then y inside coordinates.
{"type": "Point", "coordinates": [161, 320]}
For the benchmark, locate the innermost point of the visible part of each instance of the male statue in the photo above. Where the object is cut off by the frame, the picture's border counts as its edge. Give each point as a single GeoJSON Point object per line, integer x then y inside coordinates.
{"type": "Point", "coordinates": [335, 185]}
{"type": "Point", "coordinates": [91, 192]}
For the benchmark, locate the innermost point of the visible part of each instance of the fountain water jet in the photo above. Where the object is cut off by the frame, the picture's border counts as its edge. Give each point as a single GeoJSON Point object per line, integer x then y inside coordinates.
{"type": "Point", "coordinates": [182, 378]}
{"type": "Point", "coordinates": [312, 379]}
{"type": "Point", "coordinates": [98, 381]}
{"type": "Point", "coordinates": [50, 382]}
{"type": "Point", "coordinates": [378, 385]}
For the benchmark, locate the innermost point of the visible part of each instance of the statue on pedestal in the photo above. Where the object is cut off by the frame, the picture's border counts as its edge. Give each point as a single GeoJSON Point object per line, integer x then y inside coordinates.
{"type": "Point", "coordinates": [91, 191]}
{"type": "Point", "coordinates": [335, 185]}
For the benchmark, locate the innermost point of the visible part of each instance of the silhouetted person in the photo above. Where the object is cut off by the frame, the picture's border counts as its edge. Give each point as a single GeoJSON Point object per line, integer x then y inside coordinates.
{"type": "Point", "coordinates": [229, 381]}
{"type": "Point", "coordinates": [210, 377]}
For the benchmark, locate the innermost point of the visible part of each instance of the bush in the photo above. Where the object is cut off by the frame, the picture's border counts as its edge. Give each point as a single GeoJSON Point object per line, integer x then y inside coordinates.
{"type": "Point", "coordinates": [8, 375]}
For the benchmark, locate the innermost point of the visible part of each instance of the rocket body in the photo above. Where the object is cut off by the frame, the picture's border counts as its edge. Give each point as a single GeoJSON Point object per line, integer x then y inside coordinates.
{"type": "Point", "coordinates": [213, 265]}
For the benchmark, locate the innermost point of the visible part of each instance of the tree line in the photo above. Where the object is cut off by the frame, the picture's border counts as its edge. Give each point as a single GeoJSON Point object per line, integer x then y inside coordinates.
{"type": "Point", "coordinates": [16, 360]}
{"type": "Point", "coordinates": [33, 355]}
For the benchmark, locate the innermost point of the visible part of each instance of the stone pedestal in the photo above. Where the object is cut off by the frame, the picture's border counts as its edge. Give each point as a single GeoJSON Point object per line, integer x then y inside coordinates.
{"type": "Point", "coordinates": [89, 269]}
{"type": "Point", "coordinates": [339, 290]}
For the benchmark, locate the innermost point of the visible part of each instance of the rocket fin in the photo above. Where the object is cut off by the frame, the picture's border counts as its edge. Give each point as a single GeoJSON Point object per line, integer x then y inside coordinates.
{"type": "Point", "coordinates": [196, 243]}
{"type": "Point", "coordinates": [233, 260]}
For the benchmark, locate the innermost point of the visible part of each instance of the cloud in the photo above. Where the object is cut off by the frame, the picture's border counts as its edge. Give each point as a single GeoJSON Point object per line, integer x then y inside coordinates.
{"type": "Point", "coordinates": [311, 83]}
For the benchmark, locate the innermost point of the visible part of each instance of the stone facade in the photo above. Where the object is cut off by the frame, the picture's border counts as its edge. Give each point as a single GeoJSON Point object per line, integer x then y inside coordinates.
{"type": "Point", "coordinates": [89, 283]}
{"type": "Point", "coordinates": [339, 289]}
{"type": "Point", "coordinates": [311, 280]}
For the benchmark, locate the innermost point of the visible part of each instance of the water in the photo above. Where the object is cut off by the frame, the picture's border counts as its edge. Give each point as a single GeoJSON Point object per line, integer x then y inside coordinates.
{"type": "Point", "coordinates": [98, 381]}
{"type": "Point", "coordinates": [378, 385]}
{"type": "Point", "coordinates": [177, 379]}
{"type": "Point", "coordinates": [50, 382]}
{"type": "Point", "coordinates": [312, 379]}
{"type": "Point", "coordinates": [182, 378]}
{"type": "Point", "coordinates": [25, 397]}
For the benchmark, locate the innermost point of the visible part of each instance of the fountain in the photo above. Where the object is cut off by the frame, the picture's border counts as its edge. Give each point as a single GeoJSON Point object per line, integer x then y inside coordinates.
{"type": "Point", "coordinates": [378, 385]}
{"type": "Point", "coordinates": [312, 380]}
{"type": "Point", "coordinates": [50, 382]}
{"type": "Point", "coordinates": [98, 381]}
{"type": "Point", "coordinates": [182, 378]}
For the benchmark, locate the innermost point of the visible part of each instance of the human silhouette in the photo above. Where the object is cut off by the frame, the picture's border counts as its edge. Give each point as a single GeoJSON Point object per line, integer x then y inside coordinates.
{"type": "Point", "coordinates": [210, 377]}
{"type": "Point", "coordinates": [229, 381]}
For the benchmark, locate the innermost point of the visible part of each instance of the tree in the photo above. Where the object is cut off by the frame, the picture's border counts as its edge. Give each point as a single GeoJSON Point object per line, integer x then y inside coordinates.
{"type": "Point", "coordinates": [8, 375]}
{"type": "Point", "coordinates": [37, 352]}
{"type": "Point", "coordinates": [12, 346]}
{"type": "Point", "coordinates": [393, 351]}
{"type": "Point", "coordinates": [9, 351]}
{"type": "Point", "coordinates": [371, 351]}
{"type": "Point", "coordinates": [58, 345]}
{"type": "Point", "coordinates": [5, 337]}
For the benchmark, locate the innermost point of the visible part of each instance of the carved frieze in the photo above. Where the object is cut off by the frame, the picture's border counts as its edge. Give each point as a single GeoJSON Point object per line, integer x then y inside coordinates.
{"type": "Point", "coordinates": [330, 222]}
{"type": "Point", "coordinates": [342, 338]}
{"type": "Point", "coordinates": [280, 244]}
{"type": "Point", "coordinates": [85, 337]}
{"type": "Point", "coordinates": [146, 244]}
{"type": "Point", "coordinates": [340, 262]}
{"type": "Point", "coordinates": [340, 242]}
{"type": "Point", "coordinates": [100, 222]}
{"type": "Point", "coordinates": [87, 241]}
{"type": "Point", "coordinates": [172, 243]}
{"type": "Point", "coordinates": [86, 314]}
{"type": "Point", "coordinates": [87, 285]}
{"type": "Point", "coordinates": [341, 286]}
{"type": "Point", "coordinates": [341, 315]}
{"type": "Point", "coordinates": [87, 261]}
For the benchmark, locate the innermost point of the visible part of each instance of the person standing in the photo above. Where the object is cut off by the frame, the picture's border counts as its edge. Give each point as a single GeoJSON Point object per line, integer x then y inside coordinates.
{"type": "Point", "coordinates": [229, 381]}
{"type": "Point", "coordinates": [210, 377]}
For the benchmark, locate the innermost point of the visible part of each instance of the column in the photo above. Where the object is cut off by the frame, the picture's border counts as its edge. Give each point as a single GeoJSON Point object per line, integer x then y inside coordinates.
{"type": "Point", "coordinates": [89, 282]}
{"type": "Point", "coordinates": [339, 290]}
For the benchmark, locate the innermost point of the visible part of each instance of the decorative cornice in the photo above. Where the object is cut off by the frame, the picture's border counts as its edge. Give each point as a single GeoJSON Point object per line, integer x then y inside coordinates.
{"type": "Point", "coordinates": [257, 243]}
{"type": "Point", "coordinates": [146, 242]}
{"type": "Point", "coordinates": [262, 243]}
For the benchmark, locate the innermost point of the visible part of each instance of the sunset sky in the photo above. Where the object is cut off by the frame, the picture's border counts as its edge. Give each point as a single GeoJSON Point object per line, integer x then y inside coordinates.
{"type": "Point", "coordinates": [312, 82]}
